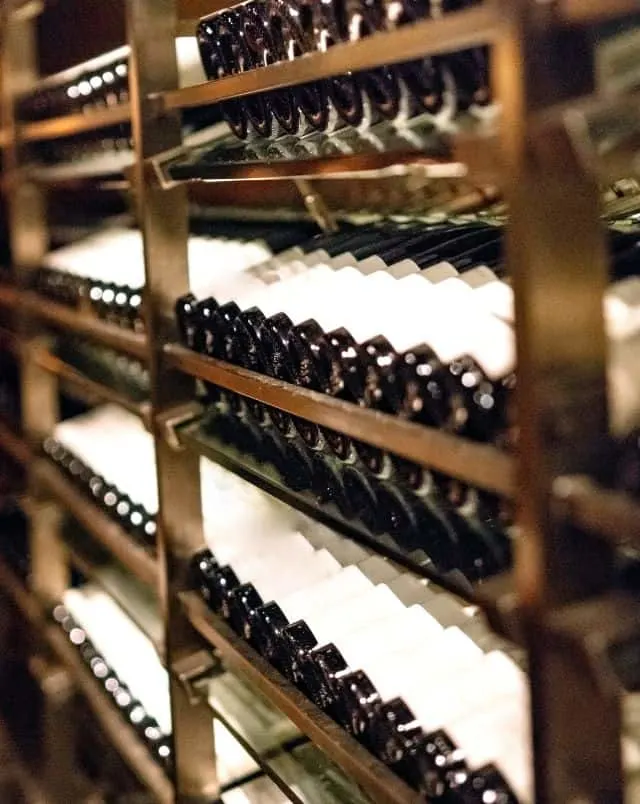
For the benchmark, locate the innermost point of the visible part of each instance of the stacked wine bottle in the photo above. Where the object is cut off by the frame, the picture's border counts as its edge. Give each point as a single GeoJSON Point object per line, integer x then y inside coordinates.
{"type": "Point", "coordinates": [85, 450]}
{"type": "Point", "coordinates": [101, 84]}
{"type": "Point", "coordinates": [433, 521]}
{"type": "Point", "coordinates": [119, 372]}
{"type": "Point", "coordinates": [262, 32]}
{"type": "Point", "coordinates": [411, 320]}
{"type": "Point", "coordinates": [103, 274]}
{"type": "Point", "coordinates": [104, 84]}
{"type": "Point", "coordinates": [124, 663]}
{"type": "Point", "coordinates": [406, 668]}
{"type": "Point", "coordinates": [69, 616]}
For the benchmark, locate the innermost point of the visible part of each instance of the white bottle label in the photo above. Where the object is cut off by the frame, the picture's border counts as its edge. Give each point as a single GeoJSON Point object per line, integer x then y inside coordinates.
{"type": "Point", "coordinates": [371, 265]}
{"type": "Point", "coordinates": [440, 272]}
{"type": "Point", "coordinates": [332, 592]}
{"type": "Point", "coordinates": [332, 625]}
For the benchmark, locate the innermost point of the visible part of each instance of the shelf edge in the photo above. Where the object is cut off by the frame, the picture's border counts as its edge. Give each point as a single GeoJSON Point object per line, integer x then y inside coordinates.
{"type": "Point", "coordinates": [456, 31]}
{"type": "Point", "coordinates": [478, 464]}
{"type": "Point", "coordinates": [66, 318]}
{"type": "Point", "coordinates": [377, 780]}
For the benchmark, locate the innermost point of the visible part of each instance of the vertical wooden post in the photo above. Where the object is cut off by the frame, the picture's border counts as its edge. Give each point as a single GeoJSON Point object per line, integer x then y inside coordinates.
{"type": "Point", "coordinates": [558, 260]}
{"type": "Point", "coordinates": [29, 242]}
{"type": "Point", "coordinates": [162, 217]}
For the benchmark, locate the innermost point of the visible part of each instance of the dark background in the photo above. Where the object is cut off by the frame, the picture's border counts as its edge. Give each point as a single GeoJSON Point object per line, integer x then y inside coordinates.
{"type": "Point", "coordinates": [71, 31]}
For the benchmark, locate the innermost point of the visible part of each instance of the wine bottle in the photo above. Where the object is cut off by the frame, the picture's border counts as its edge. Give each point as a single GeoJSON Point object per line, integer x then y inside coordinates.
{"type": "Point", "coordinates": [291, 27]}
{"type": "Point", "coordinates": [345, 91]}
{"type": "Point", "coordinates": [264, 629]}
{"type": "Point", "coordinates": [328, 485]}
{"type": "Point", "coordinates": [240, 58]}
{"type": "Point", "coordinates": [263, 51]}
{"type": "Point", "coordinates": [328, 664]}
{"type": "Point", "coordinates": [447, 653]}
{"type": "Point", "coordinates": [381, 85]}
{"type": "Point", "coordinates": [427, 82]}
{"type": "Point", "coordinates": [265, 584]}
{"type": "Point", "coordinates": [217, 43]}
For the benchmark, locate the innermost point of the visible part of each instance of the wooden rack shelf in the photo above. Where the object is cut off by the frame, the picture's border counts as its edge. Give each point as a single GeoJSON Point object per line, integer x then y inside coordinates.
{"type": "Point", "coordinates": [374, 778]}
{"type": "Point", "coordinates": [478, 464]}
{"type": "Point", "coordinates": [552, 140]}
{"type": "Point", "coordinates": [271, 766]}
{"type": "Point", "coordinates": [12, 444]}
{"type": "Point", "coordinates": [67, 318]}
{"type": "Point", "coordinates": [190, 438]}
{"type": "Point", "coordinates": [384, 152]}
{"type": "Point", "coordinates": [89, 389]}
{"type": "Point", "coordinates": [274, 743]}
{"type": "Point", "coordinates": [476, 26]}
{"type": "Point", "coordinates": [69, 125]}
{"type": "Point", "coordinates": [590, 12]}
{"type": "Point", "coordinates": [121, 736]}
{"type": "Point", "coordinates": [285, 755]}
{"type": "Point", "coordinates": [88, 176]}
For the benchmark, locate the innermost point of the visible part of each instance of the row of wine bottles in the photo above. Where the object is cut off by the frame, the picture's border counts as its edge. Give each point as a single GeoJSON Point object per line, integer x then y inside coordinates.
{"type": "Point", "coordinates": [104, 273]}
{"type": "Point", "coordinates": [117, 371]}
{"type": "Point", "coordinates": [440, 524]}
{"type": "Point", "coordinates": [424, 339]}
{"type": "Point", "coordinates": [126, 664]}
{"type": "Point", "coordinates": [430, 337]}
{"type": "Point", "coordinates": [402, 666]}
{"type": "Point", "coordinates": [110, 149]}
{"type": "Point", "coordinates": [89, 450]}
{"type": "Point", "coordinates": [100, 83]}
{"type": "Point", "coordinates": [130, 707]}
{"type": "Point", "coordinates": [466, 394]}
{"type": "Point", "coordinates": [117, 504]}
{"type": "Point", "coordinates": [262, 32]}
{"type": "Point", "coordinates": [106, 150]}
{"type": "Point", "coordinates": [103, 85]}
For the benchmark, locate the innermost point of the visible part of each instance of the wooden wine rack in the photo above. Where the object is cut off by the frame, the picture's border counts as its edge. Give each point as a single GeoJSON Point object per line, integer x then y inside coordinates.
{"type": "Point", "coordinates": [546, 167]}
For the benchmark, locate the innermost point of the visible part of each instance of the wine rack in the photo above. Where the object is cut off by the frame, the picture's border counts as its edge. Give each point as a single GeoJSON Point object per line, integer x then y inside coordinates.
{"type": "Point", "coordinates": [542, 151]}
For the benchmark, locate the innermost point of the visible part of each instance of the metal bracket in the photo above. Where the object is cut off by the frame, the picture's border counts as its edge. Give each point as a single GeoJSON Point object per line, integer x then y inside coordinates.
{"type": "Point", "coordinates": [176, 417]}
{"type": "Point", "coordinates": [194, 672]}
{"type": "Point", "coordinates": [316, 206]}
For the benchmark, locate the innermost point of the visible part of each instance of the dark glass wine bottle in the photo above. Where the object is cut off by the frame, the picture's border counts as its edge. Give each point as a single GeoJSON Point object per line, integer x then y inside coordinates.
{"type": "Point", "coordinates": [330, 28]}
{"type": "Point", "coordinates": [381, 85]}
{"type": "Point", "coordinates": [218, 60]}
{"type": "Point", "coordinates": [259, 42]}
{"type": "Point", "coordinates": [291, 30]}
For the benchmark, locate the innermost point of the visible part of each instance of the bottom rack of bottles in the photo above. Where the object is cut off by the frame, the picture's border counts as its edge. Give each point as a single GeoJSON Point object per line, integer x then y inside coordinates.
{"type": "Point", "coordinates": [416, 678]}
